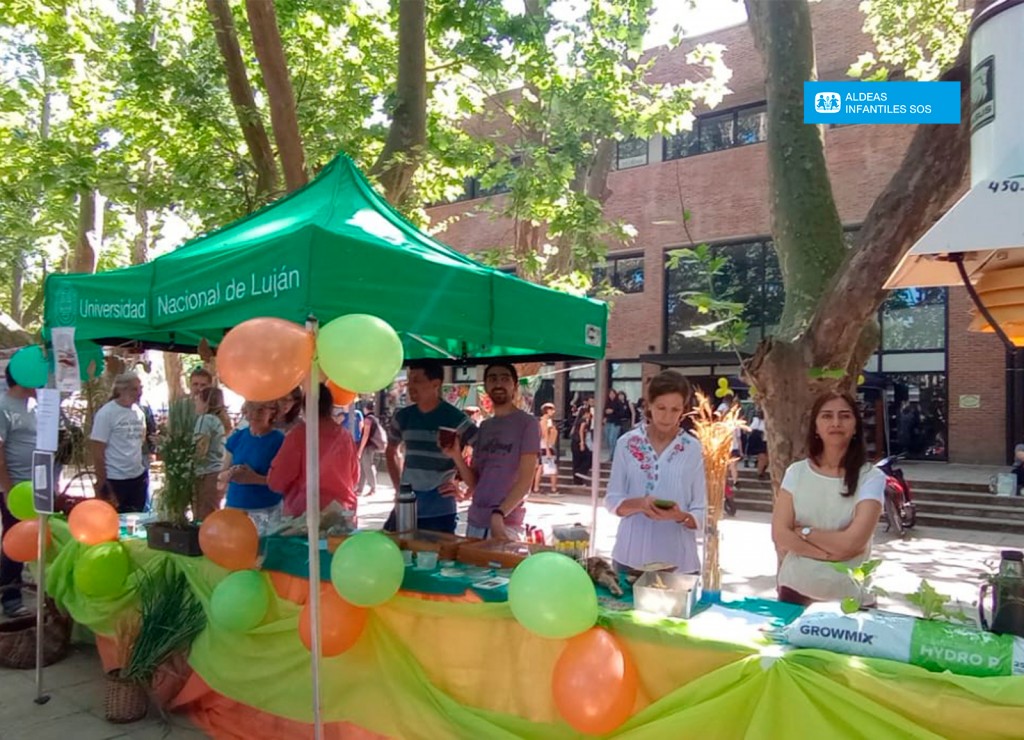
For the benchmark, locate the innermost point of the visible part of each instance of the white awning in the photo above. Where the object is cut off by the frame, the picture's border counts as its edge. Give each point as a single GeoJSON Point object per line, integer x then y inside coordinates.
{"type": "Point", "coordinates": [986, 225]}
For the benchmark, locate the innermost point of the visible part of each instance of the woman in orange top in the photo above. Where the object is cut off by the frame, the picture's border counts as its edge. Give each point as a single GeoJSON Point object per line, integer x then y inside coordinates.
{"type": "Point", "coordinates": [339, 464]}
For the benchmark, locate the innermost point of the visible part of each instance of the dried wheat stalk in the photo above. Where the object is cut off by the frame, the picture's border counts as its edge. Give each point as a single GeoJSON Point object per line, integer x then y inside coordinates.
{"type": "Point", "coordinates": [715, 435]}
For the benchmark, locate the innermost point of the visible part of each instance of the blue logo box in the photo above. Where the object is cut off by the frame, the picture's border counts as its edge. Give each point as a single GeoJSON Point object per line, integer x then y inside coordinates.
{"type": "Point", "coordinates": [881, 102]}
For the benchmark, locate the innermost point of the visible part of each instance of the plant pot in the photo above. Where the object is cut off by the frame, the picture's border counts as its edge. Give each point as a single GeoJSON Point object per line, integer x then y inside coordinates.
{"type": "Point", "coordinates": [174, 538]}
{"type": "Point", "coordinates": [125, 701]}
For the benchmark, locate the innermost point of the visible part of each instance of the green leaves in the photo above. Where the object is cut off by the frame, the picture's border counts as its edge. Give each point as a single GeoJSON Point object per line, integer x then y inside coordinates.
{"type": "Point", "coordinates": [935, 605]}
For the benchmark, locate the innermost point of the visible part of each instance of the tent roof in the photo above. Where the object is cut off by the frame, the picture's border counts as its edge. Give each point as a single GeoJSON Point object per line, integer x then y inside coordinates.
{"type": "Point", "coordinates": [331, 248]}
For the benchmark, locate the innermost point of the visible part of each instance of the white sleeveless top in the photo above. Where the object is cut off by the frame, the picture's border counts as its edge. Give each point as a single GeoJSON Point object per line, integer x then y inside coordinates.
{"type": "Point", "coordinates": [818, 503]}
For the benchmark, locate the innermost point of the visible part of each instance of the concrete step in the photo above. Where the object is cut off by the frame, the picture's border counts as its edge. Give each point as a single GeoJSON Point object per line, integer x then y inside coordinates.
{"type": "Point", "coordinates": [971, 522]}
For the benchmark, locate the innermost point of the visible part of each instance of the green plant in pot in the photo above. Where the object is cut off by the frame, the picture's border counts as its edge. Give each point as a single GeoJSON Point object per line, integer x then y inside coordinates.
{"type": "Point", "coordinates": [168, 620]}
{"type": "Point", "coordinates": [179, 452]}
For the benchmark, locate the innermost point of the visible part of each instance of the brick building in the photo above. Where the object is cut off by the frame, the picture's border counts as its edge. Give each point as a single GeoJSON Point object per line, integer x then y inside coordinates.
{"type": "Point", "coordinates": [940, 390]}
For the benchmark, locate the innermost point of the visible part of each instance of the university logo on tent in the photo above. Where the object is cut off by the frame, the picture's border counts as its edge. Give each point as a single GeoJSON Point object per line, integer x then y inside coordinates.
{"type": "Point", "coordinates": [827, 102]}
{"type": "Point", "coordinates": [66, 302]}
{"type": "Point", "coordinates": [593, 336]}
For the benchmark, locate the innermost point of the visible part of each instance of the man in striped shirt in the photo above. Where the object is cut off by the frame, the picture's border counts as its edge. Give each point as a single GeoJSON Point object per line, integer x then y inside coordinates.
{"type": "Point", "coordinates": [425, 467]}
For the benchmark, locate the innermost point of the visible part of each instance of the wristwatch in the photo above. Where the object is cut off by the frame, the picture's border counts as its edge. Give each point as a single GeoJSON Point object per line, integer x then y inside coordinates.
{"type": "Point", "coordinates": [805, 532]}
{"type": "Point", "coordinates": [497, 510]}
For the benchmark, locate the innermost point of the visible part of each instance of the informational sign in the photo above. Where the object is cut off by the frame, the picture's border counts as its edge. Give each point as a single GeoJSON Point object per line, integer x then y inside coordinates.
{"type": "Point", "coordinates": [47, 419]}
{"type": "Point", "coordinates": [983, 93]}
{"type": "Point", "coordinates": [66, 370]}
{"type": "Point", "coordinates": [970, 401]}
{"type": "Point", "coordinates": [42, 481]}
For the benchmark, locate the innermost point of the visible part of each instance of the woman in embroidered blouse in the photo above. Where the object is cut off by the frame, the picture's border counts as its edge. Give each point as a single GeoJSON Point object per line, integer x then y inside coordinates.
{"type": "Point", "coordinates": [658, 461]}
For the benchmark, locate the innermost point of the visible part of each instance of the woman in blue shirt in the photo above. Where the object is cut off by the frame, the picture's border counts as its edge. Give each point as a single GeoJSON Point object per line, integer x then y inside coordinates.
{"type": "Point", "coordinates": [657, 483]}
{"type": "Point", "coordinates": [247, 460]}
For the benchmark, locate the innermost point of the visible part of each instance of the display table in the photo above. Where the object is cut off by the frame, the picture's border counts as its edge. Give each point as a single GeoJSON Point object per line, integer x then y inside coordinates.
{"type": "Point", "coordinates": [453, 665]}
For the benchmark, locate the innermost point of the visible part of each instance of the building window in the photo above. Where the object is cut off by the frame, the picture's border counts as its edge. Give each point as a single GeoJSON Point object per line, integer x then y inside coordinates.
{"type": "Point", "coordinates": [631, 153]}
{"type": "Point", "coordinates": [751, 125]}
{"type": "Point", "coordinates": [625, 274]}
{"type": "Point", "coordinates": [914, 319]}
{"type": "Point", "coordinates": [723, 130]}
{"type": "Point", "coordinates": [627, 377]}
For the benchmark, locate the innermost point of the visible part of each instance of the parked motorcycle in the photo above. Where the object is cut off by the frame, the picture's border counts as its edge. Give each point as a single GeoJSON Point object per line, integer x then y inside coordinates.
{"type": "Point", "coordinates": [900, 509]}
{"type": "Point", "coordinates": [729, 503]}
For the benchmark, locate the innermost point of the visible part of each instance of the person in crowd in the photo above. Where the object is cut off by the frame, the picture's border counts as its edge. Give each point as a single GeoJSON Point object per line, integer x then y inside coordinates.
{"type": "Point", "coordinates": [117, 439]}
{"type": "Point", "coordinates": [612, 416]}
{"type": "Point", "coordinates": [757, 443]}
{"type": "Point", "coordinates": [289, 411]}
{"type": "Point", "coordinates": [504, 460]}
{"type": "Point", "coordinates": [1018, 464]}
{"type": "Point", "coordinates": [581, 436]}
{"type": "Point", "coordinates": [424, 467]}
{"type": "Point", "coordinates": [210, 436]}
{"type": "Point", "coordinates": [548, 446]}
{"type": "Point", "coordinates": [199, 379]}
{"type": "Point", "coordinates": [626, 412]}
{"type": "Point", "coordinates": [351, 418]}
{"type": "Point", "coordinates": [657, 485]}
{"type": "Point", "coordinates": [372, 440]}
{"type": "Point", "coordinates": [17, 443]}
{"type": "Point", "coordinates": [827, 507]}
{"type": "Point", "coordinates": [250, 451]}
{"type": "Point", "coordinates": [339, 464]}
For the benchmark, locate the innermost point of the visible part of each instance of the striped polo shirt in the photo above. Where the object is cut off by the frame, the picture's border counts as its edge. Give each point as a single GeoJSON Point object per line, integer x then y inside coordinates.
{"type": "Point", "coordinates": [426, 467]}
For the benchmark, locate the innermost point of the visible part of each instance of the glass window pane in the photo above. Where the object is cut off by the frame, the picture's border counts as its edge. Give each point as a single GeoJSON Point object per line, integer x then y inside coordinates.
{"type": "Point", "coordinates": [632, 153]}
{"type": "Point", "coordinates": [914, 319]}
{"type": "Point", "coordinates": [917, 408]}
{"type": "Point", "coordinates": [629, 275]}
{"type": "Point", "coordinates": [716, 132]}
{"type": "Point", "coordinates": [683, 144]}
{"type": "Point", "coordinates": [679, 316]}
{"type": "Point", "coordinates": [742, 281]}
{"type": "Point", "coordinates": [751, 125]}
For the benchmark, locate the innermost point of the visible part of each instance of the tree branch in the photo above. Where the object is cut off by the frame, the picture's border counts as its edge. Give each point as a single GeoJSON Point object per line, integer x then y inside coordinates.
{"type": "Point", "coordinates": [916, 196]}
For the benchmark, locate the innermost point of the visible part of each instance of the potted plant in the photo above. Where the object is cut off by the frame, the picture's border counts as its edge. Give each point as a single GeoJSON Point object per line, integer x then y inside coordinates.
{"type": "Point", "coordinates": [178, 451]}
{"type": "Point", "coordinates": [168, 619]}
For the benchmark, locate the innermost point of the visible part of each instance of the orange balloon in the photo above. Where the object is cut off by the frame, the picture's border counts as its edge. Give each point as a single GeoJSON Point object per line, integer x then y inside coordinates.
{"type": "Point", "coordinates": [341, 623]}
{"type": "Point", "coordinates": [262, 359]}
{"type": "Point", "coordinates": [594, 682]}
{"type": "Point", "coordinates": [21, 542]}
{"type": "Point", "coordinates": [341, 396]}
{"type": "Point", "coordinates": [94, 521]}
{"type": "Point", "coordinates": [229, 538]}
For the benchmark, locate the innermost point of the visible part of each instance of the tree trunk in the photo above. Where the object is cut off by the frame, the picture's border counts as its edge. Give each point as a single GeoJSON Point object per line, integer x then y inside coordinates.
{"type": "Point", "coordinates": [805, 223]}
{"type": "Point", "coordinates": [88, 237]}
{"type": "Point", "coordinates": [407, 137]}
{"type": "Point", "coordinates": [832, 296]}
{"type": "Point", "coordinates": [172, 371]}
{"type": "Point", "coordinates": [249, 117]}
{"type": "Point", "coordinates": [266, 39]}
{"type": "Point", "coordinates": [17, 283]}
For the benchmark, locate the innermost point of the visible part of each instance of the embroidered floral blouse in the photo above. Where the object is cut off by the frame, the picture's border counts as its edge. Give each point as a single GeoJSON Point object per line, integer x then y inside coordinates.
{"type": "Point", "coordinates": [676, 475]}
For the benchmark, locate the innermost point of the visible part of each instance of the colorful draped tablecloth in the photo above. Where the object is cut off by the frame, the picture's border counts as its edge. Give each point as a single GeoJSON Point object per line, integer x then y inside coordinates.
{"type": "Point", "coordinates": [457, 669]}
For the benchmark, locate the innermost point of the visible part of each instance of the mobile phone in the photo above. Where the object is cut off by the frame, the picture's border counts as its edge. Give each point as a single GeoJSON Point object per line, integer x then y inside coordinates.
{"type": "Point", "coordinates": [663, 503]}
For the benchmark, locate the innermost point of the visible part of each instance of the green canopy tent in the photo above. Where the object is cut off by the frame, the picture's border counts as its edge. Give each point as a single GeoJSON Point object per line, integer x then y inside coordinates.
{"type": "Point", "coordinates": [331, 248]}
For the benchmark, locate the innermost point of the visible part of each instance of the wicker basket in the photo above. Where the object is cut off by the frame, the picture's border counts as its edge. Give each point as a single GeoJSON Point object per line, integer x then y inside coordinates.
{"type": "Point", "coordinates": [18, 636]}
{"type": "Point", "coordinates": [126, 701]}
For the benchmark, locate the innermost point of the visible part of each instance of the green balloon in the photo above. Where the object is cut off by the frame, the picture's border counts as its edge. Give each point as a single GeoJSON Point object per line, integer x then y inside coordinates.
{"type": "Point", "coordinates": [367, 569]}
{"type": "Point", "coordinates": [29, 367]}
{"type": "Point", "coordinates": [552, 596]}
{"type": "Point", "coordinates": [359, 352]}
{"type": "Point", "coordinates": [240, 601]}
{"type": "Point", "coordinates": [20, 503]}
{"type": "Point", "coordinates": [102, 570]}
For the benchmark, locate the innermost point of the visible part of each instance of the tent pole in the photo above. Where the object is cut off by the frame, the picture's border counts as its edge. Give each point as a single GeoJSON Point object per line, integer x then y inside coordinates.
{"type": "Point", "coordinates": [312, 413]}
{"type": "Point", "coordinates": [595, 468]}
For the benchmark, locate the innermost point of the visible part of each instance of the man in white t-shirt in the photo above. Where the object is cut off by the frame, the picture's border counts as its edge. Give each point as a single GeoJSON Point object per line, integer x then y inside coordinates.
{"type": "Point", "coordinates": [118, 435]}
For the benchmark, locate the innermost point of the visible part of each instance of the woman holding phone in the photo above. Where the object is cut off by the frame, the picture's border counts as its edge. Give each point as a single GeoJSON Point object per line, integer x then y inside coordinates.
{"type": "Point", "coordinates": [657, 483]}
